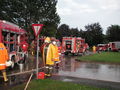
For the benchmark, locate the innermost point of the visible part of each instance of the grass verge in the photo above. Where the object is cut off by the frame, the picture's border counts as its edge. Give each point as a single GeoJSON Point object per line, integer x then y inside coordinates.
{"type": "Point", "coordinates": [102, 57]}
{"type": "Point", "coordinates": [49, 84]}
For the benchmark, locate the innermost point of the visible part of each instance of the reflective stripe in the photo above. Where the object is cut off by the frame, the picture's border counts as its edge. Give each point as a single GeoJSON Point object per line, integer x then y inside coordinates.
{"type": "Point", "coordinates": [1, 48]}
{"type": "Point", "coordinates": [2, 64]}
{"type": "Point", "coordinates": [56, 58]}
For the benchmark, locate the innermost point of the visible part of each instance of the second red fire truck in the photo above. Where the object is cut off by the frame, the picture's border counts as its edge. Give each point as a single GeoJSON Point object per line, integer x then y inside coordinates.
{"type": "Point", "coordinates": [111, 46]}
{"type": "Point", "coordinates": [74, 45]}
{"type": "Point", "coordinates": [114, 46]}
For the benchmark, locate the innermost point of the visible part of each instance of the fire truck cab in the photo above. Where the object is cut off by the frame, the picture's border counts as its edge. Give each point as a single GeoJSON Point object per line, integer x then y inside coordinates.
{"type": "Point", "coordinates": [14, 38]}
{"type": "Point", "coordinates": [74, 45]}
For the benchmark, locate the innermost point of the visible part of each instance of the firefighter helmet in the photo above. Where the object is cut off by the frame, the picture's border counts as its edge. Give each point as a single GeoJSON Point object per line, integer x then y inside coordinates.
{"type": "Point", "coordinates": [47, 39]}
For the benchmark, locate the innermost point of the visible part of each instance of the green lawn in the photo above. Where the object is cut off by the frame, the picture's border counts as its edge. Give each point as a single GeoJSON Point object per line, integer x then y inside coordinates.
{"type": "Point", "coordinates": [48, 84]}
{"type": "Point", "coordinates": [102, 57]}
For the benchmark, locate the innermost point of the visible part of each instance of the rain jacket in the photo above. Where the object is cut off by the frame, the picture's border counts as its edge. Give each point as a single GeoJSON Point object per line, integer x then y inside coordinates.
{"type": "Point", "coordinates": [55, 53]}
{"type": "Point", "coordinates": [48, 54]}
{"type": "Point", "coordinates": [3, 56]}
{"type": "Point", "coordinates": [94, 49]}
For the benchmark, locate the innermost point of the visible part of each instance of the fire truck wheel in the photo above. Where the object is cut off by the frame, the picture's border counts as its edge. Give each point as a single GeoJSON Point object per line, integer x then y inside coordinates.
{"type": "Point", "coordinates": [23, 60]}
{"type": "Point", "coordinates": [73, 54]}
{"type": "Point", "coordinates": [66, 53]}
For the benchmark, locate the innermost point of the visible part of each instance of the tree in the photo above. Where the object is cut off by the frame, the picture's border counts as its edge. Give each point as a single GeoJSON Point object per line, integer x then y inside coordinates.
{"type": "Point", "coordinates": [26, 12]}
{"type": "Point", "coordinates": [63, 31]}
{"type": "Point", "coordinates": [74, 32]}
{"type": "Point", "coordinates": [93, 34]}
{"type": "Point", "coordinates": [49, 29]}
{"type": "Point", "coordinates": [81, 33]}
{"type": "Point", "coordinates": [113, 33]}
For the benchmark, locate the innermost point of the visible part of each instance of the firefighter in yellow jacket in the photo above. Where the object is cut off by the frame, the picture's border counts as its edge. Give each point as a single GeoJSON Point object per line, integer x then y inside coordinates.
{"type": "Point", "coordinates": [94, 49]}
{"type": "Point", "coordinates": [3, 60]}
{"type": "Point", "coordinates": [55, 53]}
{"type": "Point", "coordinates": [49, 56]}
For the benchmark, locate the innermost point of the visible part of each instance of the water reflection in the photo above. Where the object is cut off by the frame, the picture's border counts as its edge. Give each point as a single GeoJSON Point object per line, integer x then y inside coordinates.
{"type": "Point", "coordinates": [70, 67]}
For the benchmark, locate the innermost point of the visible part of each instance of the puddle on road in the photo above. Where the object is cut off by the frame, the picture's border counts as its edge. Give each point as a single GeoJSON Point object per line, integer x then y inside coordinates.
{"type": "Point", "coordinates": [68, 80]}
{"type": "Point", "coordinates": [91, 70]}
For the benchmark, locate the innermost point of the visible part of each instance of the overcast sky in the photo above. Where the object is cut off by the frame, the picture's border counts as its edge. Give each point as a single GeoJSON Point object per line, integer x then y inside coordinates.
{"type": "Point", "coordinates": [78, 13]}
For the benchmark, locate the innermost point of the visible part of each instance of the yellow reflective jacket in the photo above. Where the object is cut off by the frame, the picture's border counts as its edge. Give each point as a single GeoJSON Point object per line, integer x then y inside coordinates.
{"type": "Point", "coordinates": [55, 53]}
{"type": "Point", "coordinates": [3, 56]}
{"type": "Point", "coordinates": [50, 54]}
{"type": "Point", "coordinates": [94, 48]}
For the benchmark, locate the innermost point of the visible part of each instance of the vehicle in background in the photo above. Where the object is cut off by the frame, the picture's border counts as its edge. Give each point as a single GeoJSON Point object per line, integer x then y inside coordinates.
{"type": "Point", "coordinates": [102, 47]}
{"type": "Point", "coordinates": [14, 38]}
{"type": "Point", "coordinates": [114, 46]}
{"type": "Point", "coordinates": [74, 45]}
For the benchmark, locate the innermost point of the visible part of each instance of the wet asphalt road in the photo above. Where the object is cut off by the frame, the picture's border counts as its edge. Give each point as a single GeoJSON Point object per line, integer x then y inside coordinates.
{"type": "Point", "coordinates": [90, 70]}
{"type": "Point", "coordinates": [72, 71]}
{"type": "Point", "coordinates": [101, 75]}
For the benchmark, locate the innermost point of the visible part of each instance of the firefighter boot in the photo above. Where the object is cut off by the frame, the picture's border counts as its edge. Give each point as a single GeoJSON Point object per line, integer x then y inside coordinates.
{"type": "Point", "coordinates": [32, 53]}
{"type": "Point", "coordinates": [50, 70]}
{"type": "Point", "coordinates": [4, 76]}
{"type": "Point", "coordinates": [47, 71]}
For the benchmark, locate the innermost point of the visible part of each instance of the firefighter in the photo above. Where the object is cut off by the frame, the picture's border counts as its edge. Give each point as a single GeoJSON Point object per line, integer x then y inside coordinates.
{"type": "Point", "coordinates": [3, 60]}
{"type": "Point", "coordinates": [55, 53]}
{"type": "Point", "coordinates": [94, 49]}
{"type": "Point", "coordinates": [48, 55]}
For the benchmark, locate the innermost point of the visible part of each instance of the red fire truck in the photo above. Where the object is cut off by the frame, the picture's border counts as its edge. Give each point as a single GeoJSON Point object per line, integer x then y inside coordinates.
{"type": "Point", "coordinates": [102, 47]}
{"type": "Point", "coordinates": [74, 45]}
{"type": "Point", "coordinates": [14, 38]}
{"type": "Point", "coordinates": [114, 46]}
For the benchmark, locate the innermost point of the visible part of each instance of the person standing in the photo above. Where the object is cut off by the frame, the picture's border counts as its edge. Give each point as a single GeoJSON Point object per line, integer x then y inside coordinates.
{"type": "Point", "coordinates": [94, 49]}
{"type": "Point", "coordinates": [3, 60]}
{"type": "Point", "coordinates": [49, 55]}
{"type": "Point", "coordinates": [55, 53]}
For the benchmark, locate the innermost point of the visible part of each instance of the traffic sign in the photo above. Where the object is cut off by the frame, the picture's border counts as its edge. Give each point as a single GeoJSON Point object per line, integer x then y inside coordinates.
{"type": "Point", "coordinates": [37, 29]}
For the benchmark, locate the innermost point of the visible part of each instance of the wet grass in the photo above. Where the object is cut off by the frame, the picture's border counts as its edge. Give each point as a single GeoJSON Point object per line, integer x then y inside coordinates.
{"type": "Point", "coordinates": [102, 57]}
{"type": "Point", "coordinates": [49, 84]}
